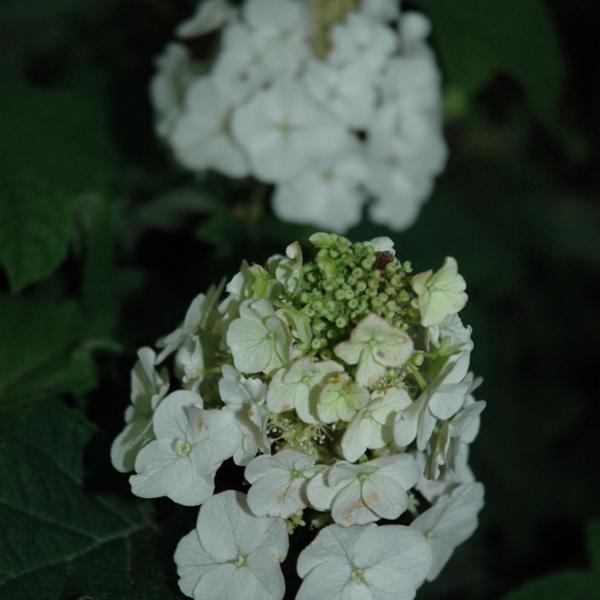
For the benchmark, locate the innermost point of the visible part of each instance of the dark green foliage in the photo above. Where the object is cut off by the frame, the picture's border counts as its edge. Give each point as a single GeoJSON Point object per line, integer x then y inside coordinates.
{"type": "Point", "coordinates": [54, 148]}
{"type": "Point", "coordinates": [40, 353]}
{"type": "Point", "coordinates": [60, 540]}
{"type": "Point", "coordinates": [479, 40]}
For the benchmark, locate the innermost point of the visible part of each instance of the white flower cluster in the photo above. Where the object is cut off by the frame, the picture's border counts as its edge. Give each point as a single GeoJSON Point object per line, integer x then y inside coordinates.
{"type": "Point", "coordinates": [333, 103]}
{"type": "Point", "coordinates": [341, 385]}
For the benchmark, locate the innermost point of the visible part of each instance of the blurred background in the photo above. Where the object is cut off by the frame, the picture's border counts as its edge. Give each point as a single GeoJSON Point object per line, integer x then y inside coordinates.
{"type": "Point", "coordinates": [104, 241]}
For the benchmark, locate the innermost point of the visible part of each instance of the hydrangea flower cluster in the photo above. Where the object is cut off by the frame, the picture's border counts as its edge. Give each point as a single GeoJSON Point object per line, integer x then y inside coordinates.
{"type": "Point", "coordinates": [341, 386]}
{"type": "Point", "coordinates": [332, 103]}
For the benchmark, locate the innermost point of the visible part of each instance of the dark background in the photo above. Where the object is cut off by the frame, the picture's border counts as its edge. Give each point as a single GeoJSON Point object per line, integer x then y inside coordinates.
{"type": "Point", "coordinates": [518, 206]}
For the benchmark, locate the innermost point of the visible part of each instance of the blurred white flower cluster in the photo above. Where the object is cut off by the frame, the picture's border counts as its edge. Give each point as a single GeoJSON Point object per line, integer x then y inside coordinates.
{"type": "Point", "coordinates": [341, 386]}
{"type": "Point", "coordinates": [336, 104]}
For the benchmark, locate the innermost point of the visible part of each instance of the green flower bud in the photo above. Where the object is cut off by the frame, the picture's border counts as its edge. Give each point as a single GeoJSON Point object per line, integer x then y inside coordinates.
{"type": "Point", "coordinates": [391, 268]}
{"type": "Point", "coordinates": [341, 322]}
{"type": "Point", "coordinates": [322, 240]}
{"type": "Point", "coordinates": [397, 280]}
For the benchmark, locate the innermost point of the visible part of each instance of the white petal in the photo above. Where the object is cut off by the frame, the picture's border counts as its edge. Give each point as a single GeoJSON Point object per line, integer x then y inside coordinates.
{"type": "Point", "coordinates": [396, 559]}
{"type": "Point", "coordinates": [356, 438]}
{"type": "Point", "coordinates": [264, 564]}
{"type": "Point", "coordinates": [403, 468]}
{"type": "Point", "coordinates": [128, 443]}
{"type": "Point", "coordinates": [330, 581]}
{"type": "Point", "coordinates": [407, 422]}
{"type": "Point", "coordinates": [332, 544]}
{"type": "Point", "coordinates": [320, 494]}
{"type": "Point", "coordinates": [192, 562]}
{"type": "Point", "coordinates": [466, 418]}
{"type": "Point", "coordinates": [277, 495]}
{"type": "Point", "coordinates": [228, 528]}
{"type": "Point", "coordinates": [216, 434]}
{"type": "Point", "coordinates": [349, 507]}
{"type": "Point", "coordinates": [170, 420]}
{"type": "Point", "coordinates": [226, 582]}
{"type": "Point", "coordinates": [449, 522]}
{"type": "Point", "coordinates": [384, 496]}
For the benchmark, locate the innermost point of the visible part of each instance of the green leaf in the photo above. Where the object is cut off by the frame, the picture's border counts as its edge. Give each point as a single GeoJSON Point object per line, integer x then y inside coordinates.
{"type": "Point", "coordinates": [478, 40]}
{"type": "Point", "coordinates": [39, 357]}
{"type": "Point", "coordinates": [54, 147]}
{"type": "Point", "coordinates": [60, 541]}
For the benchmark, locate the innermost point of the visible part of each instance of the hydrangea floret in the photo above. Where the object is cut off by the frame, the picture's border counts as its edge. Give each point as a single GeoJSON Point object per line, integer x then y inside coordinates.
{"type": "Point", "coordinates": [323, 387]}
{"type": "Point", "coordinates": [332, 105]}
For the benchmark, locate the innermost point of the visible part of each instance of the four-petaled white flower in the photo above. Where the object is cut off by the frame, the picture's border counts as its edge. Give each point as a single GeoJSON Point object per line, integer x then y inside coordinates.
{"type": "Point", "coordinates": [439, 294]}
{"type": "Point", "coordinates": [191, 444]}
{"type": "Point", "coordinates": [245, 398]}
{"type": "Point", "coordinates": [375, 345]}
{"type": "Point", "coordinates": [202, 137]}
{"type": "Point", "coordinates": [363, 493]}
{"type": "Point", "coordinates": [372, 427]}
{"type": "Point", "coordinates": [259, 340]}
{"type": "Point", "coordinates": [370, 563]}
{"type": "Point", "coordinates": [340, 398]}
{"type": "Point", "coordinates": [279, 483]}
{"type": "Point", "coordinates": [285, 132]}
{"type": "Point", "coordinates": [148, 388]}
{"type": "Point", "coordinates": [327, 195]}
{"type": "Point", "coordinates": [296, 387]}
{"type": "Point", "coordinates": [347, 92]}
{"type": "Point", "coordinates": [449, 522]}
{"type": "Point", "coordinates": [232, 554]}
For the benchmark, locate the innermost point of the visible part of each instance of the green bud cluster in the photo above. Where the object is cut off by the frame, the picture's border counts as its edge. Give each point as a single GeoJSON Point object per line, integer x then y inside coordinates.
{"type": "Point", "coordinates": [346, 282]}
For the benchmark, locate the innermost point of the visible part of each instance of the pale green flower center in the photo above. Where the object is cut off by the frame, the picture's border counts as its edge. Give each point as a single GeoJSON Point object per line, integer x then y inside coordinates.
{"type": "Point", "coordinates": [297, 474]}
{"type": "Point", "coordinates": [362, 477]}
{"type": "Point", "coordinates": [358, 575]}
{"type": "Point", "coordinates": [182, 448]}
{"type": "Point", "coordinates": [240, 560]}
{"type": "Point", "coordinates": [286, 127]}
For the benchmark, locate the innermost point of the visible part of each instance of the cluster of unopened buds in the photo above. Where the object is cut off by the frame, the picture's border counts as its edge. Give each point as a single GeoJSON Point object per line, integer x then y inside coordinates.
{"type": "Point", "coordinates": [339, 389]}
{"type": "Point", "coordinates": [336, 104]}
